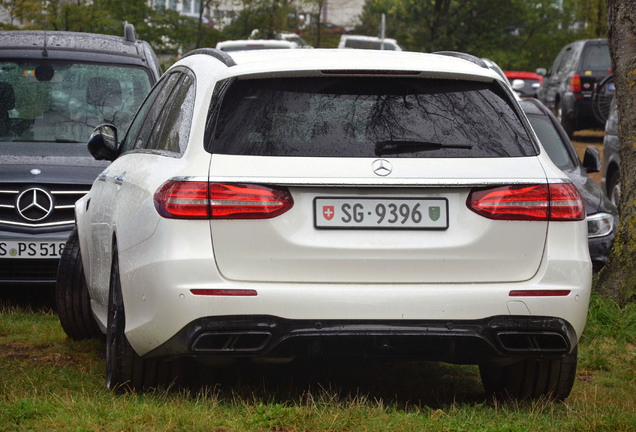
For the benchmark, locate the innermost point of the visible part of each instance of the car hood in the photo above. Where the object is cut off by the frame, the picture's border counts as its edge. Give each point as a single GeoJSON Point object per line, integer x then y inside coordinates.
{"type": "Point", "coordinates": [48, 163]}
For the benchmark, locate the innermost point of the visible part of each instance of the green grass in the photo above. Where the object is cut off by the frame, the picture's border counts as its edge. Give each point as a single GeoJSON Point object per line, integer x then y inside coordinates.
{"type": "Point", "coordinates": [49, 383]}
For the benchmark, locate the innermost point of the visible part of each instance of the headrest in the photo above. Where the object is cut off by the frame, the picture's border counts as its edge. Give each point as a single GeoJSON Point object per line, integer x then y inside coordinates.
{"type": "Point", "coordinates": [7, 97]}
{"type": "Point", "coordinates": [103, 92]}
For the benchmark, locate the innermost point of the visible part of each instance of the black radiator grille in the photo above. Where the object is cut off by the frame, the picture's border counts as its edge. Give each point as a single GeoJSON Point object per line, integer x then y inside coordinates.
{"type": "Point", "coordinates": [59, 199]}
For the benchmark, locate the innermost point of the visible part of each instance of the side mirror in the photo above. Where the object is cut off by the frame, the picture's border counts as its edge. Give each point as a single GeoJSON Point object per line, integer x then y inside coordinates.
{"type": "Point", "coordinates": [102, 143]}
{"type": "Point", "coordinates": [592, 160]}
{"type": "Point", "coordinates": [541, 71]}
{"type": "Point", "coordinates": [518, 84]}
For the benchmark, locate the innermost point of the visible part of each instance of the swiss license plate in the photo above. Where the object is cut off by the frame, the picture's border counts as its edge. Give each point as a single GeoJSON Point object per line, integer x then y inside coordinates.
{"type": "Point", "coordinates": [31, 249]}
{"type": "Point", "coordinates": [381, 213]}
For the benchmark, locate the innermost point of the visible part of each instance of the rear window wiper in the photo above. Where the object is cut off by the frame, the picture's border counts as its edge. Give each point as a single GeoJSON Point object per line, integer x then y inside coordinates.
{"type": "Point", "coordinates": [407, 146]}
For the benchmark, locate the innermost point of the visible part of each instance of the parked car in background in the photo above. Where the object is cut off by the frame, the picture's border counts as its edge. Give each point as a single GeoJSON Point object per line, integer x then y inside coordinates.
{"type": "Point", "coordinates": [568, 86]}
{"type": "Point", "coordinates": [368, 42]}
{"type": "Point", "coordinates": [601, 214]}
{"type": "Point", "coordinates": [293, 37]}
{"type": "Point", "coordinates": [611, 179]}
{"type": "Point", "coordinates": [524, 83]}
{"type": "Point", "coordinates": [255, 44]}
{"type": "Point", "coordinates": [334, 204]}
{"type": "Point", "coordinates": [55, 88]}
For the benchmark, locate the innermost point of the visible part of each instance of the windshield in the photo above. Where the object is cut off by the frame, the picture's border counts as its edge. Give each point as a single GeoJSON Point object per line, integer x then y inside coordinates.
{"type": "Point", "coordinates": [63, 102]}
{"type": "Point", "coordinates": [367, 117]}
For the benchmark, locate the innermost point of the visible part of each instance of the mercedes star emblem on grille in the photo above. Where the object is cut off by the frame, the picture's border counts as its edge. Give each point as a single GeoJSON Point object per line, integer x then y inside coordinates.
{"type": "Point", "coordinates": [34, 204]}
{"type": "Point", "coordinates": [382, 167]}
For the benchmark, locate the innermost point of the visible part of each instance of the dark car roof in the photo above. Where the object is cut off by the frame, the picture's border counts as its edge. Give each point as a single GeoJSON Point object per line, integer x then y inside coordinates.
{"type": "Point", "coordinates": [588, 41]}
{"type": "Point", "coordinates": [533, 106]}
{"type": "Point", "coordinates": [61, 45]}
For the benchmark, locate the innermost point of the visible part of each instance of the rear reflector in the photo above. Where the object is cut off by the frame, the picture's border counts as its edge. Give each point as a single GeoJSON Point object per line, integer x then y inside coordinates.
{"type": "Point", "coordinates": [539, 293]}
{"type": "Point", "coordinates": [224, 292]}
{"type": "Point", "coordinates": [202, 200]}
{"type": "Point", "coordinates": [554, 202]}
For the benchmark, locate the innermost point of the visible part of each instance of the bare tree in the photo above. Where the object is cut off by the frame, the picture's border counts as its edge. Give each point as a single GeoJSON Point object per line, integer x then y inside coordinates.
{"type": "Point", "coordinates": [618, 278]}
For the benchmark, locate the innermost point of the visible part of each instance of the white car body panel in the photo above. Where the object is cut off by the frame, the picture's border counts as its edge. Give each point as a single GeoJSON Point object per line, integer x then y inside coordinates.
{"type": "Point", "coordinates": [289, 249]}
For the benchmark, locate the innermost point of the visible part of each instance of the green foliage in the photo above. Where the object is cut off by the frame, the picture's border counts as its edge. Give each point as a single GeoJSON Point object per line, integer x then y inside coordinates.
{"type": "Point", "coordinates": [517, 34]}
{"type": "Point", "coordinates": [52, 383]}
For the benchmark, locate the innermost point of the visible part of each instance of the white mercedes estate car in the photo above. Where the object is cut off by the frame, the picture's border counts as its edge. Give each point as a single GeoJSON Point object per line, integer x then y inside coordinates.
{"type": "Point", "coordinates": [276, 205]}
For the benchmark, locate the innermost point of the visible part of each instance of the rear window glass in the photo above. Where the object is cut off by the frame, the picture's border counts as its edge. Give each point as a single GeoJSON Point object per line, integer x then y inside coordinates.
{"type": "Point", "coordinates": [368, 117]}
{"type": "Point", "coordinates": [369, 44]}
{"type": "Point", "coordinates": [597, 57]}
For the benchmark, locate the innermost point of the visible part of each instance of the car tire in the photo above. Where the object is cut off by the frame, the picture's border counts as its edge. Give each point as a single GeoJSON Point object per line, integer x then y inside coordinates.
{"type": "Point", "coordinates": [550, 378]}
{"type": "Point", "coordinates": [71, 294]}
{"type": "Point", "coordinates": [614, 189]}
{"type": "Point", "coordinates": [125, 370]}
{"type": "Point", "coordinates": [566, 123]}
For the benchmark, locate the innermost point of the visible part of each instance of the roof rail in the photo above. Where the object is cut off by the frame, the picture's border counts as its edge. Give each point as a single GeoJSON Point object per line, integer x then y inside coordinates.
{"type": "Point", "coordinates": [130, 35]}
{"type": "Point", "coordinates": [216, 53]}
{"type": "Point", "coordinates": [464, 56]}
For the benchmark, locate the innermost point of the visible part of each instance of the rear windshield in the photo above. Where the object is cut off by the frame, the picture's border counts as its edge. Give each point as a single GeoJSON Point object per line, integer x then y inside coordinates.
{"type": "Point", "coordinates": [368, 117]}
{"type": "Point", "coordinates": [369, 44]}
{"type": "Point", "coordinates": [47, 101]}
{"type": "Point", "coordinates": [596, 57]}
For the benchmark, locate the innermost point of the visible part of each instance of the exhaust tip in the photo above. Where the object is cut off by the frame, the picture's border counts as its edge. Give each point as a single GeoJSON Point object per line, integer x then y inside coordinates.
{"type": "Point", "coordinates": [231, 342]}
{"type": "Point", "coordinates": [537, 342]}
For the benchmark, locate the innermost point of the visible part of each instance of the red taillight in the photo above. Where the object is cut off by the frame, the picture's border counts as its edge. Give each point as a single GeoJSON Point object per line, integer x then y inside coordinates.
{"type": "Point", "coordinates": [528, 202]}
{"type": "Point", "coordinates": [202, 200]}
{"type": "Point", "coordinates": [248, 201]}
{"type": "Point", "coordinates": [575, 83]}
{"type": "Point", "coordinates": [182, 200]}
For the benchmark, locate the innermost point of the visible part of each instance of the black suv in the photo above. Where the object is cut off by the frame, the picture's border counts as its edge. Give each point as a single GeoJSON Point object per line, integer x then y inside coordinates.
{"type": "Point", "coordinates": [568, 86]}
{"type": "Point", "coordinates": [55, 87]}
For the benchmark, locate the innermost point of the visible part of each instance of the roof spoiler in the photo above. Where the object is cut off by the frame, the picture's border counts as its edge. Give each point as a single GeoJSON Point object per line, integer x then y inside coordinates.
{"type": "Point", "coordinates": [222, 56]}
{"type": "Point", "coordinates": [469, 57]}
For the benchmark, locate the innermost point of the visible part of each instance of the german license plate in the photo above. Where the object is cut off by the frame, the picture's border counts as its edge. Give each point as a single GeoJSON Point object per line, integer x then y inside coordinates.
{"type": "Point", "coordinates": [31, 249]}
{"type": "Point", "coordinates": [380, 213]}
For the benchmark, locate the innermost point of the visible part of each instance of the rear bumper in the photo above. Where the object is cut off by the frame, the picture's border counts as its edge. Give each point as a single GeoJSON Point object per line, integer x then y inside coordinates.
{"type": "Point", "coordinates": [494, 339]}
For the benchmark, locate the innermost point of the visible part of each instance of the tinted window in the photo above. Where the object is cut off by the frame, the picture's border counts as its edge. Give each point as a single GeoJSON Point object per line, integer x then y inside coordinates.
{"type": "Point", "coordinates": [173, 125]}
{"type": "Point", "coordinates": [64, 102]}
{"type": "Point", "coordinates": [596, 57]}
{"type": "Point", "coordinates": [369, 117]}
{"type": "Point", "coordinates": [148, 115]}
{"type": "Point", "coordinates": [368, 44]}
{"type": "Point", "coordinates": [568, 60]}
{"type": "Point", "coordinates": [551, 141]}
